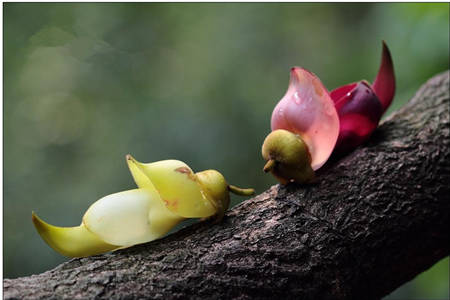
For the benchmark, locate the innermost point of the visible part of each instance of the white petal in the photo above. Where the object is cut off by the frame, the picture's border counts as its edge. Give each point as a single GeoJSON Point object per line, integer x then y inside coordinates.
{"type": "Point", "coordinates": [124, 218]}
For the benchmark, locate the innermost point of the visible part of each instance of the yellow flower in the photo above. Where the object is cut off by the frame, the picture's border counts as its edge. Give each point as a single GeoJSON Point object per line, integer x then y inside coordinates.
{"type": "Point", "coordinates": [168, 193]}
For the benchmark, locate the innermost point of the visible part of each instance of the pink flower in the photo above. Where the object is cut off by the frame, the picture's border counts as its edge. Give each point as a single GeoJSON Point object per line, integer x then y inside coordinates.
{"type": "Point", "coordinates": [309, 123]}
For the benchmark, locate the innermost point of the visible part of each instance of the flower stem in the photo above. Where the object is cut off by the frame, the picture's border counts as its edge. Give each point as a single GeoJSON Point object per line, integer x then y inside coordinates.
{"type": "Point", "coordinates": [238, 191]}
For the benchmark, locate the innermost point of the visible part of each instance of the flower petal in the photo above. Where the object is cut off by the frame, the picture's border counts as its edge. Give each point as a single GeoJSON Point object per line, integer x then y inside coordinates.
{"type": "Point", "coordinates": [341, 91]}
{"type": "Point", "coordinates": [130, 217]}
{"type": "Point", "coordinates": [71, 241]}
{"type": "Point", "coordinates": [359, 113]}
{"type": "Point", "coordinates": [355, 129]}
{"type": "Point", "coordinates": [141, 180]}
{"type": "Point", "coordinates": [360, 100]}
{"type": "Point", "coordinates": [178, 186]}
{"type": "Point", "coordinates": [384, 83]}
{"type": "Point", "coordinates": [307, 110]}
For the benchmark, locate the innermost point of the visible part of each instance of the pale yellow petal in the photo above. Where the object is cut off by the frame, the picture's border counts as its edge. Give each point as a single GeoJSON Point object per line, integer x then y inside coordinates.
{"type": "Point", "coordinates": [139, 176]}
{"type": "Point", "coordinates": [177, 185]}
{"type": "Point", "coordinates": [130, 217]}
{"type": "Point", "coordinates": [71, 241]}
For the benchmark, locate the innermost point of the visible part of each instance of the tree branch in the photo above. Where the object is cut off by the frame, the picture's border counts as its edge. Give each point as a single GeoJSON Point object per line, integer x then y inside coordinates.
{"type": "Point", "coordinates": [376, 219]}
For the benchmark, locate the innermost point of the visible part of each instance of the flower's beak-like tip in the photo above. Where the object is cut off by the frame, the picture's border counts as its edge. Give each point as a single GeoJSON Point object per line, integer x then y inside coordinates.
{"type": "Point", "coordinates": [299, 72]}
{"type": "Point", "coordinates": [34, 218]}
{"type": "Point", "coordinates": [298, 75]}
{"type": "Point", "coordinates": [269, 165]}
{"type": "Point", "coordinates": [294, 72]}
{"type": "Point", "coordinates": [130, 159]}
{"type": "Point", "coordinates": [38, 223]}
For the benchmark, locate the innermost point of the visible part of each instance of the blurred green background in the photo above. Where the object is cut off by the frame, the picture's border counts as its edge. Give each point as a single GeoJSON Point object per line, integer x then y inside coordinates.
{"type": "Point", "coordinates": [85, 84]}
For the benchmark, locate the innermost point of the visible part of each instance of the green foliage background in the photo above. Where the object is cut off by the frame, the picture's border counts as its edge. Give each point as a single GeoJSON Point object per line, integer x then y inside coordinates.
{"type": "Point", "coordinates": [87, 83]}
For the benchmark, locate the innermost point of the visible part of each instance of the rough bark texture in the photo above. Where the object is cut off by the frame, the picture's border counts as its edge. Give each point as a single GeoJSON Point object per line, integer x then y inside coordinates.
{"type": "Point", "coordinates": [376, 219]}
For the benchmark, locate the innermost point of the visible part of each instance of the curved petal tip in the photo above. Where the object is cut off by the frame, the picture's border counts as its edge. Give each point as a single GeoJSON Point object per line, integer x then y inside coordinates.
{"type": "Point", "coordinates": [71, 241]}
{"type": "Point", "coordinates": [384, 83]}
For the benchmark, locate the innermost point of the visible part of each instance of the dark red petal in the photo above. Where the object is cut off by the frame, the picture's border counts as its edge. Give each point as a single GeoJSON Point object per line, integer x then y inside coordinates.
{"type": "Point", "coordinates": [355, 129]}
{"type": "Point", "coordinates": [384, 83]}
{"type": "Point", "coordinates": [360, 100]}
{"type": "Point", "coordinates": [359, 112]}
{"type": "Point", "coordinates": [340, 92]}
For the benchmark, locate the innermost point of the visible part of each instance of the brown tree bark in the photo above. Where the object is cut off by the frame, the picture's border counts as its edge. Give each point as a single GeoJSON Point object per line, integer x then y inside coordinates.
{"type": "Point", "coordinates": [376, 218]}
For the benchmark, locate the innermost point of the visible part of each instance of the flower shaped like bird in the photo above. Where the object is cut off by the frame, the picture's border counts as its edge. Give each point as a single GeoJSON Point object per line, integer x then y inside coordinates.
{"type": "Point", "coordinates": [309, 123]}
{"type": "Point", "coordinates": [168, 193]}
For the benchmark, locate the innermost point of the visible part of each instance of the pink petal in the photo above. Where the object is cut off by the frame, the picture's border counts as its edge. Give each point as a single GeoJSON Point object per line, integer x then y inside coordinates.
{"type": "Point", "coordinates": [307, 110]}
{"type": "Point", "coordinates": [384, 84]}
